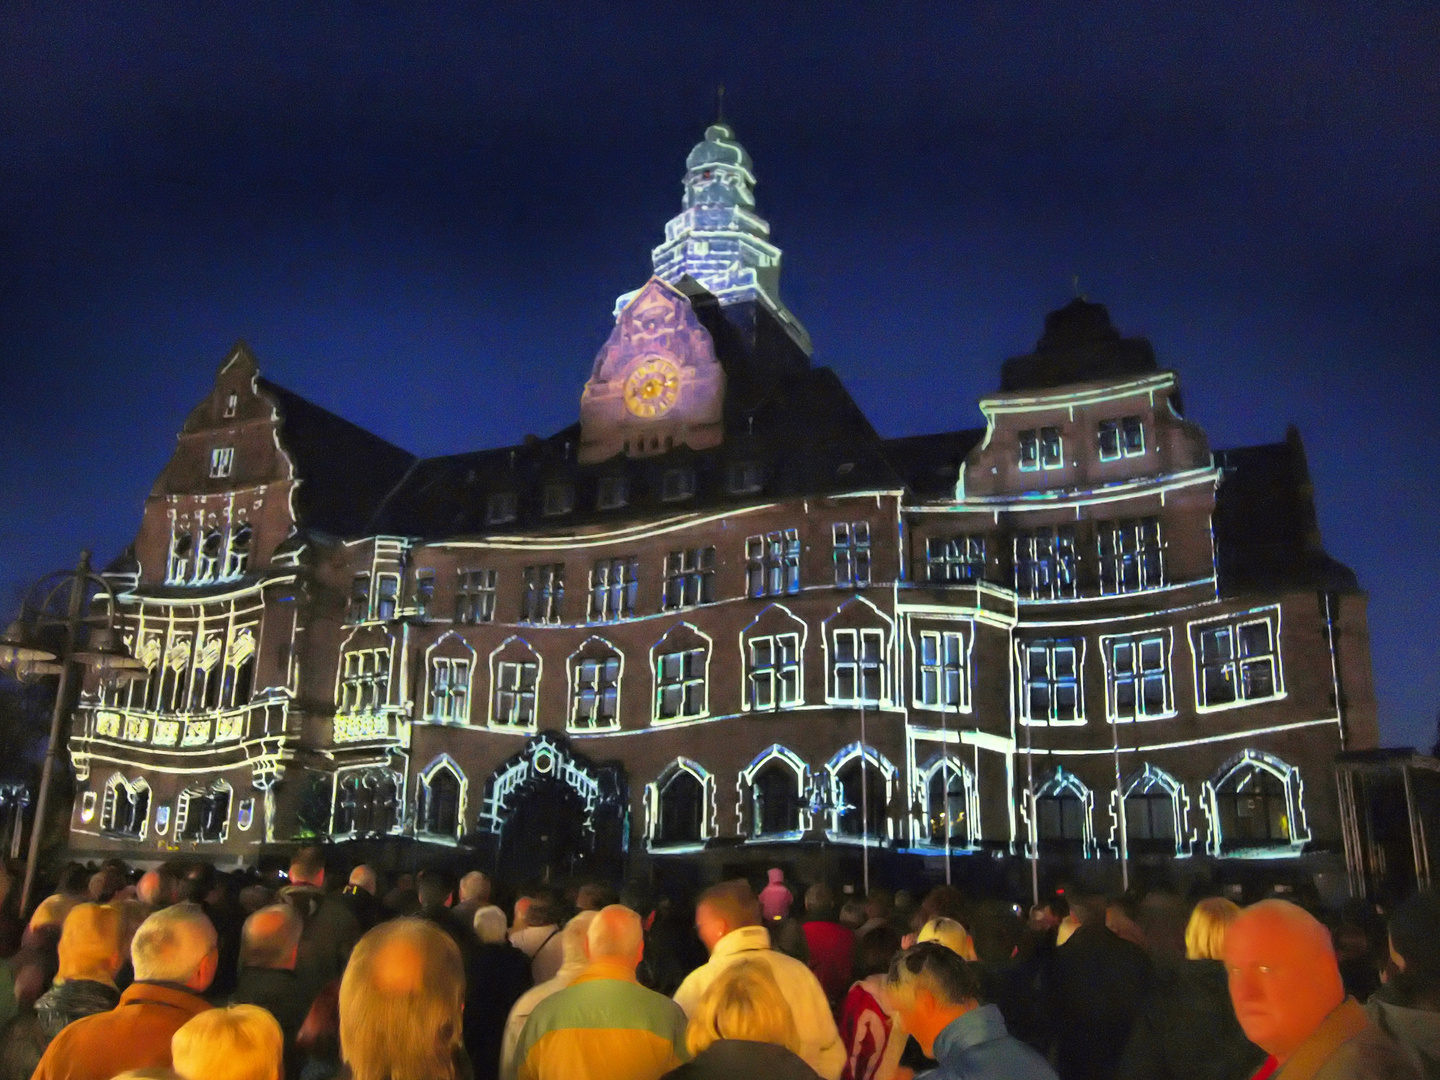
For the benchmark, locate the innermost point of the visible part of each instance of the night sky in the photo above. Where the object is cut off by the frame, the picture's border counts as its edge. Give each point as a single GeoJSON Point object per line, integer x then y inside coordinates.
{"type": "Point", "coordinates": [422, 221]}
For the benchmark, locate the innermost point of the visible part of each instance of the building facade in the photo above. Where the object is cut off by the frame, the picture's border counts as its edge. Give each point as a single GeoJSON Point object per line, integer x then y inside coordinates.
{"type": "Point", "coordinates": [720, 620]}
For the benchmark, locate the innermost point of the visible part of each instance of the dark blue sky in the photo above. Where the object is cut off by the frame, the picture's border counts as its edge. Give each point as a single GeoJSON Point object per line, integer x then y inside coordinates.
{"type": "Point", "coordinates": [421, 222]}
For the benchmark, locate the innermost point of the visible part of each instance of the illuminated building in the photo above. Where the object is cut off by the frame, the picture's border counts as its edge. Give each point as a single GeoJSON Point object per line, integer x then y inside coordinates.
{"type": "Point", "coordinates": [720, 621]}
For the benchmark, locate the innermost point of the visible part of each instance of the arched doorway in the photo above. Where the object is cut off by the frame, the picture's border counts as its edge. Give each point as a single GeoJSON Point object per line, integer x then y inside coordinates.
{"type": "Point", "coordinates": [545, 835]}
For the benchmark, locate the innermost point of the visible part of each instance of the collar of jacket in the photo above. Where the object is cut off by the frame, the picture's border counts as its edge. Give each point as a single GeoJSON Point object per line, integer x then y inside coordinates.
{"type": "Point", "coordinates": [979, 1025]}
{"type": "Point", "coordinates": [745, 939]}
{"type": "Point", "coordinates": [163, 993]}
{"type": "Point", "coordinates": [1345, 1021]}
{"type": "Point", "coordinates": [605, 969]}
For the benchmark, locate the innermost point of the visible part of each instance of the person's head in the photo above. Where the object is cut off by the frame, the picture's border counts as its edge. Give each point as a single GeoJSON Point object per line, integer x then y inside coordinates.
{"type": "Point", "coordinates": [103, 885]}
{"type": "Point", "coordinates": [616, 936]}
{"type": "Point", "coordinates": [90, 944]}
{"type": "Point", "coordinates": [490, 925]}
{"type": "Point", "coordinates": [149, 888]}
{"type": "Point", "coordinates": [433, 888]}
{"type": "Point", "coordinates": [994, 930]}
{"type": "Point", "coordinates": [874, 951]}
{"type": "Point", "coordinates": [879, 904]}
{"type": "Point", "coordinates": [1205, 932]}
{"type": "Point", "coordinates": [196, 880]}
{"type": "Point", "coordinates": [820, 901]}
{"type": "Point", "coordinates": [363, 877]}
{"type": "Point", "coordinates": [307, 867]}
{"type": "Point", "coordinates": [522, 913]}
{"type": "Point", "coordinates": [1284, 979]}
{"type": "Point", "coordinates": [1088, 909]}
{"type": "Point", "coordinates": [724, 908]}
{"type": "Point", "coordinates": [401, 999]}
{"type": "Point", "coordinates": [592, 897]}
{"type": "Point", "coordinates": [474, 888]}
{"type": "Point", "coordinates": [271, 938]}
{"type": "Point", "coordinates": [74, 881]}
{"type": "Point", "coordinates": [852, 914]}
{"type": "Point", "coordinates": [238, 1042]}
{"type": "Point", "coordinates": [573, 939]}
{"type": "Point", "coordinates": [253, 897]}
{"type": "Point", "coordinates": [177, 944]}
{"type": "Point", "coordinates": [546, 908]}
{"type": "Point", "coordinates": [744, 1002]}
{"type": "Point", "coordinates": [951, 934]}
{"type": "Point", "coordinates": [930, 986]}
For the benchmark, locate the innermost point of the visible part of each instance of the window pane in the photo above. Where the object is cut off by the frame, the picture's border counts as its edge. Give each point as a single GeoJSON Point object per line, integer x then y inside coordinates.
{"type": "Point", "coordinates": [1258, 678]}
{"type": "Point", "coordinates": [1255, 639]}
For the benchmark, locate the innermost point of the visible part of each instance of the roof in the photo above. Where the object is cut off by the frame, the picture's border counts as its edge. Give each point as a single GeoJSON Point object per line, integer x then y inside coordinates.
{"type": "Point", "coordinates": [930, 464]}
{"type": "Point", "coordinates": [1266, 530]}
{"type": "Point", "coordinates": [1080, 344]}
{"type": "Point", "coordinates": [344, 470]}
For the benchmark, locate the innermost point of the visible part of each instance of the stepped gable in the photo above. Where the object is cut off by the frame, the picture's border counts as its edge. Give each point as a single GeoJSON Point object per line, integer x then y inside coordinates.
{"type": "Point", "coordinates": [1266, 530]}
{"type": "Point", "coordinates": [1080, 344]}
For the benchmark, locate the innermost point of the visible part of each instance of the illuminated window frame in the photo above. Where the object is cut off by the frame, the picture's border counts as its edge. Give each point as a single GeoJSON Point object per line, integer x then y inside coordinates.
{"type": "Point", "coordinates": [109, 806]}
{"type": "Point", "coordinates": [222, 462]}
{"type": "Point", "coordinates": [1041, 449]}
{"type": "Point", "coordinates": [1117, 673]}
{"type": "Point", "coordinates": [745, 810]}
{"type": "Point", "coordinates": [655, 801]}
{"type": "Point", "coordinates": [772, 564]}
{"type": "Point", "coordinates": [689, 579]}
{"type": "Point", "coordinates": [475, 596]}
{"type": "Point", "coordinates": [1233, 668]}
{"type": "Point", "coordinates": [850, 552]}
{"type": "Point", "coordinates": [1144, 784]}
{"type": "Point", "coordinates": [364, 681]}
{"type": "Point", "coordinates": [597, 670]}
{"type": "Point", "coordinates": [773, 672]}
{"type": "Point", "coordinates": [448, 700]}
{"type": "Point", "coordinates": [943, 659]}
{"type": "Point", "coordinates": [1054, 787]}
{"type": "Point", "coordinates": [954, 558]}
{"type": "Point", "coordinates": [1288, 775]}
{"type": "Point", "coordinates": [614, 588]}
{"type": "Point", "coordinates": [424, 794]}
{"type": "Point", "coordinates": [1046, 565]}
{"type": "Point", "coordinates": [859, 654]}
{"type": "Point", "coordinates": [1131, 554]}
{"type": "Point", "coordinates": [836, 805]}
{"type": "Point", "coordinates": [542, 598]}
{"type": "Point", "coordinates": [948, 764]}
{"type": "Point", "coordinates": [1122, 438]}
{"type": "Point", "coordinates": [1063, 670]}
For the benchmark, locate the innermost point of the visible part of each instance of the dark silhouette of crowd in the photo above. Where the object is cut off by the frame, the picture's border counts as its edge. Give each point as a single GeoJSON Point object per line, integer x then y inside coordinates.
{"type": "Point", "coordinates": [184, 972]}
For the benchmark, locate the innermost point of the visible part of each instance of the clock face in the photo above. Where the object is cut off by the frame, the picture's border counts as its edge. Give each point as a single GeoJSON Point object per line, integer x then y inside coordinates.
{"type": "Point", "coordinates": [652, 388]}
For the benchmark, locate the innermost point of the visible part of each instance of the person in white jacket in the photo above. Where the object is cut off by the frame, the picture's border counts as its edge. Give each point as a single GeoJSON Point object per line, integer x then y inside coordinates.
{"type": "Point", "coordinates": [573, 942]}
{"type": "Point", "coordinates": [727, 918]}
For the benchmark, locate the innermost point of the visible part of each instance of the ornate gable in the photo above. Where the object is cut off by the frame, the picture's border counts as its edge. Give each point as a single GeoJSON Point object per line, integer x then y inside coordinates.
{"type": "Point", "coordinates": [656, 383]}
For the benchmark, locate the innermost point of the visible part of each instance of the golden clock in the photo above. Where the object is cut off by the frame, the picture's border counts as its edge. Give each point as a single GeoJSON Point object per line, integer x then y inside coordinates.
{"type": "Point", "coordinates": [652, 388]}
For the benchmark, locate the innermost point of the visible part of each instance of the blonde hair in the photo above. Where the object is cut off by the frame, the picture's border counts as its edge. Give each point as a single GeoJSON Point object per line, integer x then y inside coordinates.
{"type": "Point", "coordinates": [239, 1042]}
{"type": "Point", "coordinates": [1205, 932]}
{"type": "Point", "coordinates": [744, 1002]}
{"type": "Point", "coordinates": [951, 934]}
{"type": "Point", "coordinates": [400, 1003]}
{"type": "Point", "coordinates": [90, 944]}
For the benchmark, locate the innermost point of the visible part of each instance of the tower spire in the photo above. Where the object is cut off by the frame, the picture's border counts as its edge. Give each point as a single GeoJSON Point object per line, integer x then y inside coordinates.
{"type": "Point", "coordinates": [720, 104]}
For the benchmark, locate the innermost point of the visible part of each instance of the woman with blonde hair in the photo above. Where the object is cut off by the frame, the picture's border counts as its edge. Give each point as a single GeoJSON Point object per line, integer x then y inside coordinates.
{"type": "Point", "coordinates": [239, 1042]}
{"type": "Point", "coordinates": [743, 1026]}
{"type": "Point", "coordinates": [1188, 1030]}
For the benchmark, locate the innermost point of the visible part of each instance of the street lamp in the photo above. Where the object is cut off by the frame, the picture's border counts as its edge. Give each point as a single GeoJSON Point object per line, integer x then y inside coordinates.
{"type": "Point", "coordinates": [23, 652]}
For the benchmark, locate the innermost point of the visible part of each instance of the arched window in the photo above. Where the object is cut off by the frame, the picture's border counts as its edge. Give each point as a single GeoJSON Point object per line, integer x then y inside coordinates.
{"type": "Point", "coordinates": [860, 788]}
{"type": "Point", "coordinates": [237, 557]}
{"type": "Point", "coordinates": [207, 562]}
{"type": "Point", "coordinates": [595, 686]}
{"type": "Point", "coordinates": [681, 661]}
{"type": "Point", "coordinates": [440, 800]}
{"type": "Point", "coordinates": [775, 800]}
{"type": "Point", "coordinates": [857, 644]}
{"type": "Point", "coordinates": [679, 805]}
{"type": "Point", "coordinates": [1154, 816]}
{"type": "Point", "coordinates": [126, 807]}
{"type": "Point", "coordinates": [515, 676]}
{"type": "Point", "coordinates": [1062, 813]}
{"type": "Point", "coordinates": [366, 803]}
{"type": "Point", "coordinates": [949, 797]}
{"type": "Point", "coordinates": [1255, 803]}
{"type": "Point", "coordinates": [203, 814]}
{"type": "Point", "coordinates": [772, 648]}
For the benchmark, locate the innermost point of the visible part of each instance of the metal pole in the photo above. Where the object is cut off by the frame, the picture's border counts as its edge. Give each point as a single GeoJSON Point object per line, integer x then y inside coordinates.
{"type": "Point", "coordinates": [1034, 824]}
{"type": "Point", "coordinates": [57, 715]}
{"type": "Point", "coordinates": [944, 770]}
{"type": "Point", "coordinates": [864, 797]}
{"type": "Point", "coordinates": [1120, 806]}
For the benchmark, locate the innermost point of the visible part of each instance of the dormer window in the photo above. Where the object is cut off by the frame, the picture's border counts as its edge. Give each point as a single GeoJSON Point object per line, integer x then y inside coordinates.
{"type": "Point", "coordinates": [500, 508]}
{"type": "Point", "coordinates": [677, 484]}
{"type": "Point", "coordinates": [746, 477]}
{"type": "Point", "coordinates": [222, 459]}
{"type": "Point", "coordinates": [1041, 448]}
{"type": "Point", "coordinates": [613, 493]}
{"type": "Point", "coordinates": [1122, 438]}
{"type": "Point", "coordinates": [231, 404]}
{"type": "Point", "coordinates": [558, 499]}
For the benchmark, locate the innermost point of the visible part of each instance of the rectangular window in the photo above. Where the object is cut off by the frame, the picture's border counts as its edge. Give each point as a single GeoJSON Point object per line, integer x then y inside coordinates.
{"type": "Point", "coordinates": [207, 559]}
{"type": "Point", "coordinates": [959, 558]}
{"type": "Point", "coordinates": [773, 563]}
{"type": "Point", "coordinates": [359, 608]}
{"type": "Point", "coordinates": [746, 478]}
{"type": "Point", "coordinates": [1045, 565]}
{"type": "Point", "coordinates": [597, 693]}
{"type": "Point", "coordinates": [614, 584]}
{"type": "Point", "coordinates": [1129, 555]}
{"type": "Point", "coordinates": [449, 690]}
{"type": "Point", "coordinates": [557, 499]}
{"type": "Point", "coordinates": [850, 550]}
{"type": "Point", "coordinates": [365, 681]}
{"type": "Point", "coordinates": [942, 682]}
{"type": "Point", "coordinates": [857, 668]}
{"type": "Point", "coordinates": [1052, 682]}
{"type": "Point", "coordinates": [1137, 676]}
{"type": "Point", "coordinates": [231, 403]}
{"type": "Point", "coordinates": [424, 592]}
{"type": "Point", "coordinates": [222, 459]}
{"type": "Point", "coordinates": [387, 596]}
{"type": "Point", "coordinates": [500, 508]}
{"type": "Point", "coordinates": [613, 493]}
{"type": "Point", "coordinates": [475, 597]}
{"type": "Point", "coordinates": [677, 484]}
{"type": "Point", "coordinates": [1041, 448]}
{"type": "Point", "coordinates": [1239, 662]}
{"type": "Point", "coordinates": [182, 546]}
{"type": "Point", "coordinates": [1122, 438]}
{"type": "Point", "coordinates": [681, 687]}
{"type": "Point", "coordinates": [544, 594]}
{"type": "Point", "coordinates": [689, 578]}
{"type": "Point", "coordinates": [775, 671]}
{"type": "Point", "coordinates": [515, 693]}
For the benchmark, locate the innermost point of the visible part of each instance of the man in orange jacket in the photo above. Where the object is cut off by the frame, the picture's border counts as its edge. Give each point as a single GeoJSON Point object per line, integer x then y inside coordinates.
{"type": "Point", "coordinates": [175, 956]}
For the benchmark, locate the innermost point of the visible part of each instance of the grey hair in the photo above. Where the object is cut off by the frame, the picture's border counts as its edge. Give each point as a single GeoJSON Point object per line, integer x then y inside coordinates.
{"type": "Point", "coordinates": [171, 944]}
{"type": "Point", "coordinates": [490, 925]}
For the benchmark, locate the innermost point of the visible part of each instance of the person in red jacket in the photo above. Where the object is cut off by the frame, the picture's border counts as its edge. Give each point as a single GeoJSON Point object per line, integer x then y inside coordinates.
{"type": "Point", "coordinates": [832, 946]}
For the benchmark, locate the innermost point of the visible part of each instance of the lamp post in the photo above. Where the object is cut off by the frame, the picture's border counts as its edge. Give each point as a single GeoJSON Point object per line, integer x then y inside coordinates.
{"type": "Point", "coordinates": [23, 652]}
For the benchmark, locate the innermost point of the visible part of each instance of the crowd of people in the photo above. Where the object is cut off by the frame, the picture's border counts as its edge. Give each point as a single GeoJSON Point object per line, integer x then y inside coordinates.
{"type": "Point", "coordinates": [183, 972]}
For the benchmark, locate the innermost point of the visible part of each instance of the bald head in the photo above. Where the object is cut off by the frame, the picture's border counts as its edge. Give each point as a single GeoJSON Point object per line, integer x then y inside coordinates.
{"type": "Point", "coordinates": [150, 887]}
{"type": "Point", "coordinates": [573, 941]}
{"type": "Point", "coordinates": [176, 944]}
{"type": "Point", "coordinates": [616, 937]}
{"type": "Point", "coordinates": [271, 938]}
{"type": "Point", "coordinates": [1284, 978]}
{"type": "Point", "coordinates": [362, 877]}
